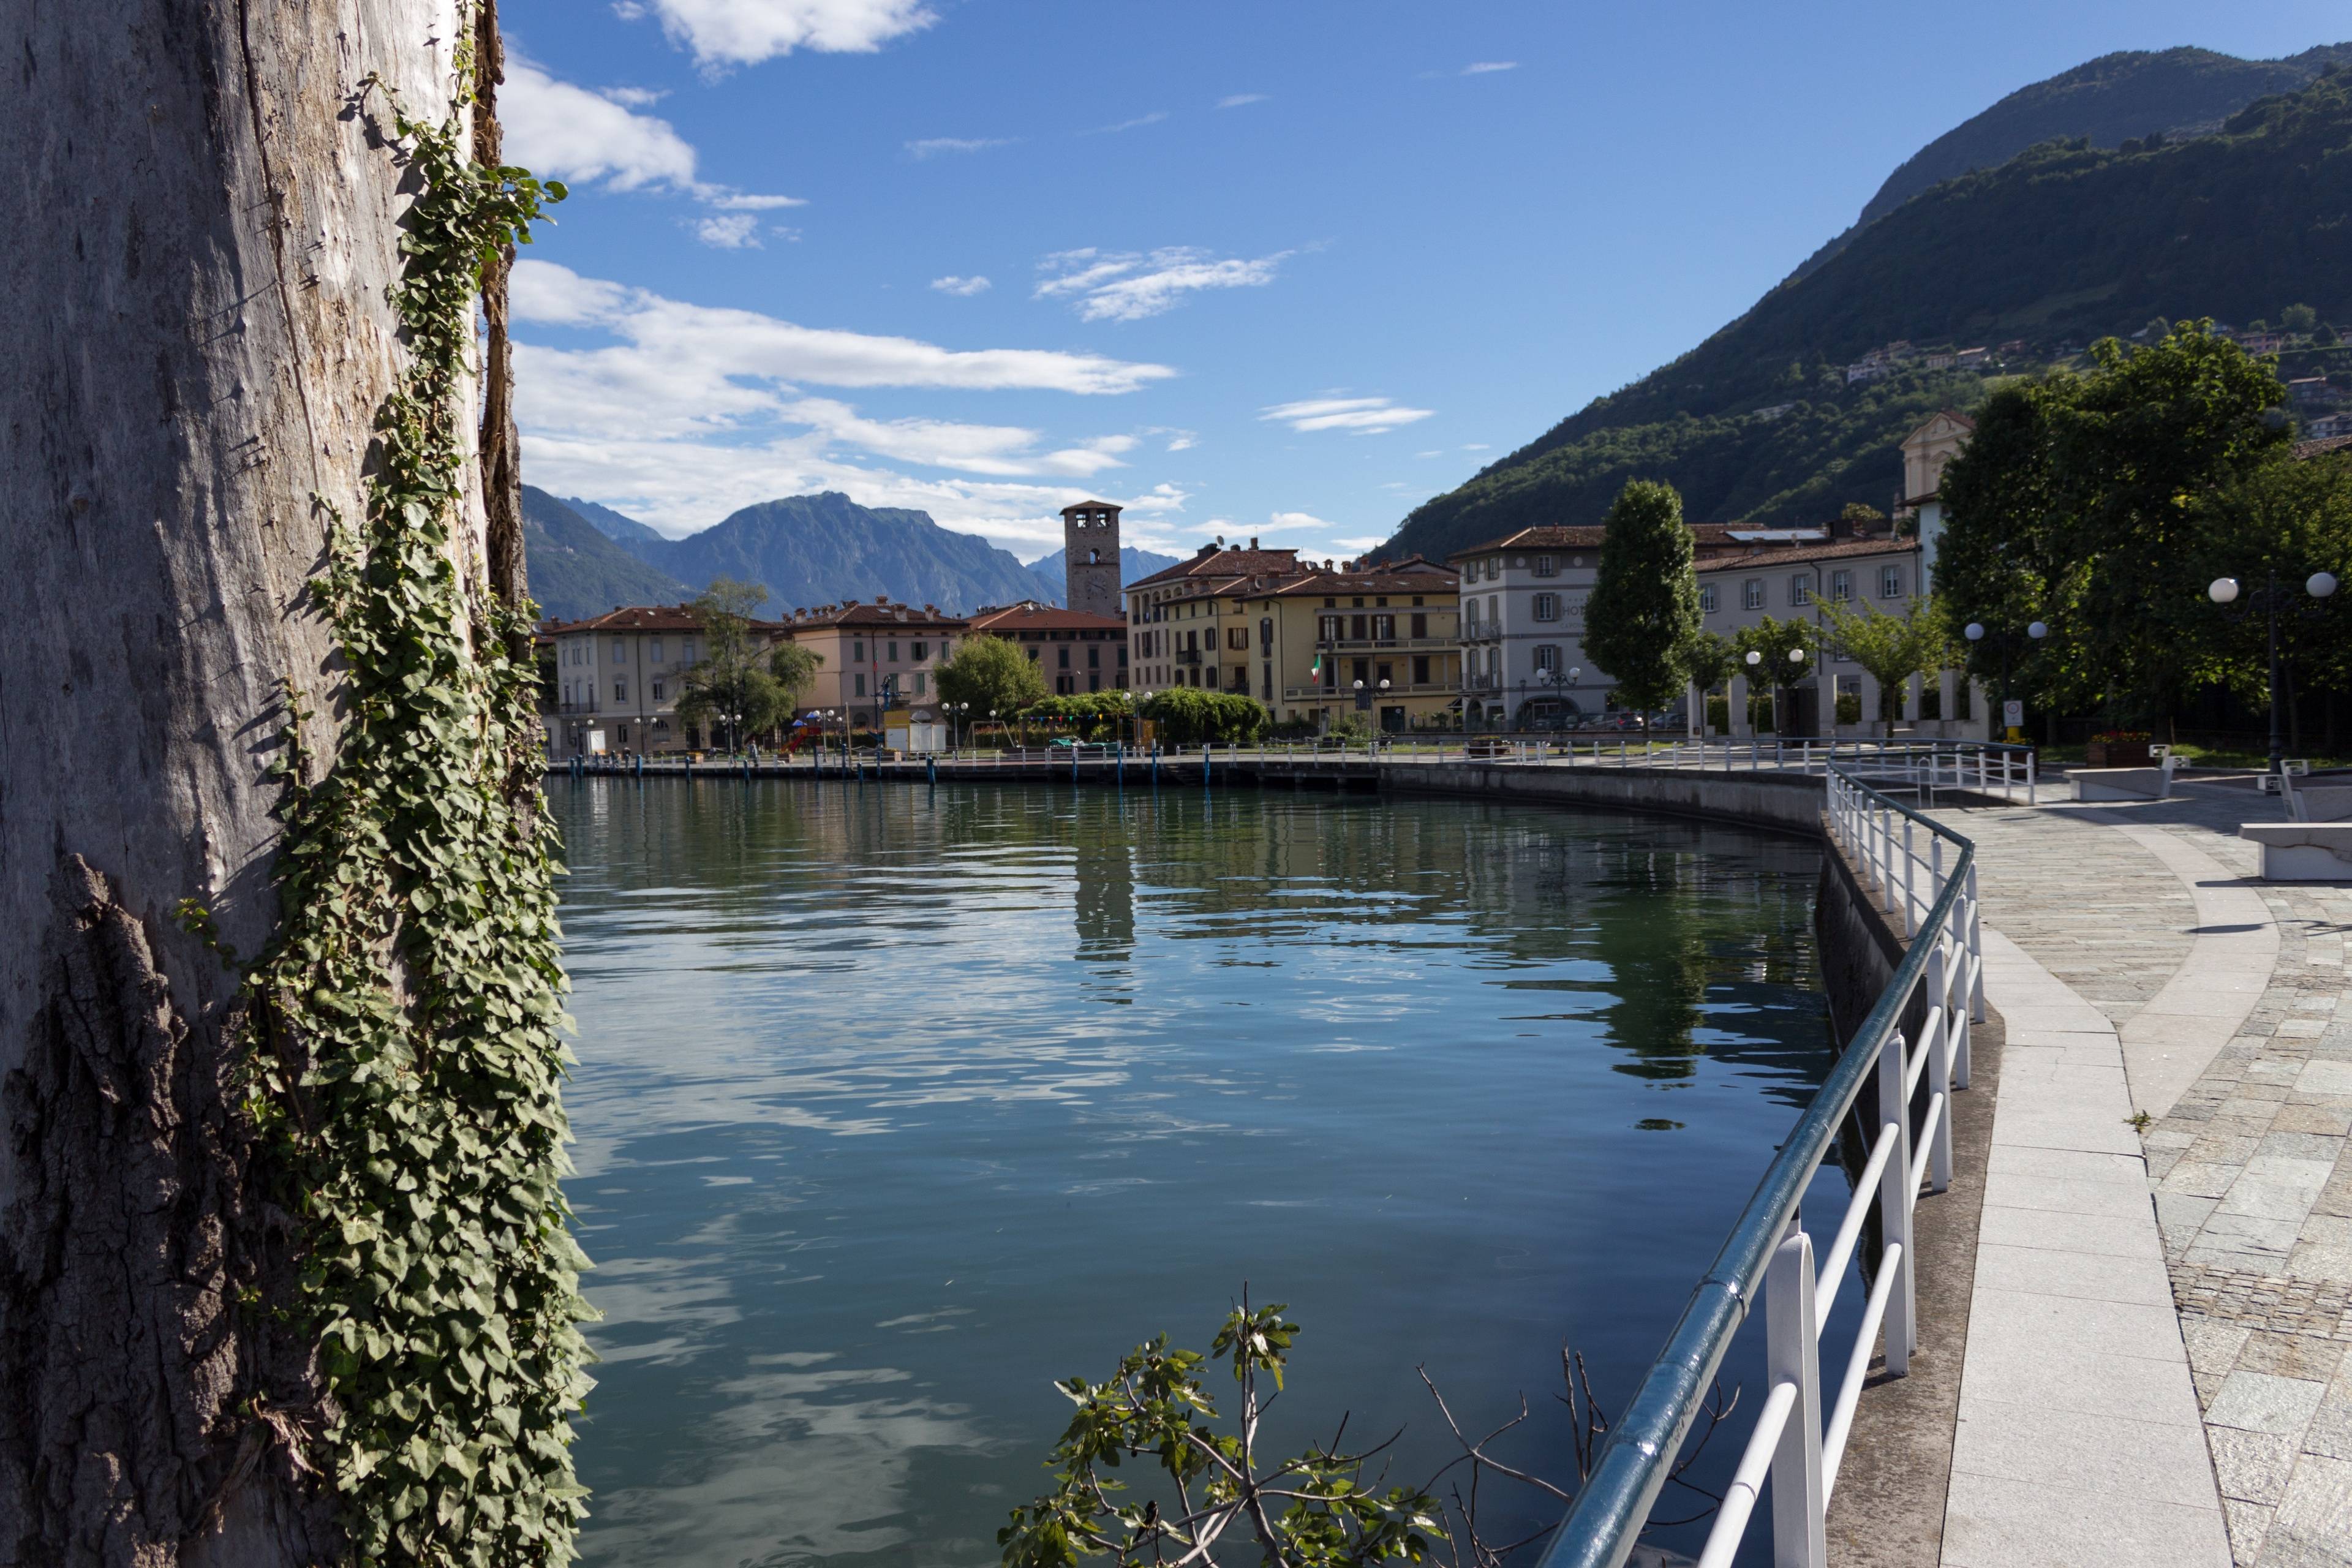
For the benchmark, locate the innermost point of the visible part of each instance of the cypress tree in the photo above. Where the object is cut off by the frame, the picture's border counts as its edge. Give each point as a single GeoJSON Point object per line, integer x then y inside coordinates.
{"type": "Point", "coordinates": [1644, 613]}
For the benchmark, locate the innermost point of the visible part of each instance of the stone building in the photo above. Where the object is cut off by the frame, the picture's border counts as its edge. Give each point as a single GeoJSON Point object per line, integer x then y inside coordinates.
{"type": "Point", "coordinates": [1090, 557]}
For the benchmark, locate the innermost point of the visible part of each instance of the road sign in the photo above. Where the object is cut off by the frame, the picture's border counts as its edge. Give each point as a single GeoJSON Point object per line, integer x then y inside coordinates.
{"type": "Point", "coordinates": [2013, 715]}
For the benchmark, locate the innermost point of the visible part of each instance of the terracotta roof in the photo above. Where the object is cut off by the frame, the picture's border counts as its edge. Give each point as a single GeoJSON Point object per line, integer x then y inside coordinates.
{"type": "Point", "coordinates": [1589, 538]}
{"type": "Point", "coordinates": [645, 619]}
{"type": "Point", "coordinates": [1798, 555]}
{"type": "Point", "coordinates": [2325, 444]}
{"type": "Point", "coordinates": [1232, 561]}
{"type": "Point", "coordinates": [1029, 616]}
{"type": "Point", "coordinates": [1379, 581]}
{"type": "Point", "coordinates": [880, 613]}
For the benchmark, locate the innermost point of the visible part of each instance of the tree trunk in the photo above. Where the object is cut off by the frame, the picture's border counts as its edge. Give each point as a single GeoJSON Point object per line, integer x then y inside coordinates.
{"type": "Point", "coordinates": [194, 339]}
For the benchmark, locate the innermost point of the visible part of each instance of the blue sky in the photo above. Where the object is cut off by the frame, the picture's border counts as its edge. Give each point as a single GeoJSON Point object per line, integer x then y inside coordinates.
{"type": "Point", "coordinates": [1277, 269]}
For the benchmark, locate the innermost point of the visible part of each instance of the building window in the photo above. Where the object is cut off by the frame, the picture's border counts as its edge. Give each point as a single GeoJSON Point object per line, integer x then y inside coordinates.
{"type": "Point", "coordinates": [653, 651]}
{"type": "Point", "coordinates": [661, 690]}
{"type": "Point", "coordinates": [620, 691]}
{"type": "Point", "coordinates": [1384, 628]}
{"type": "Point", "coordinates": [893, 656]}
{"type": "Point", "coordinates": [919, 679]}
{"type": "Point", "coordinates": [1494, 611]}
{"type": "Point", "coordinates": [1841, 587]}
{"type": "Point", "coordinates": [1706, 598]}
{"type": "Point", "coordinates": [1800, 589]}
{"type": "Point", "coordinates": [1094, 656]}
{"type": "Point", "coordinates": [1065, 657]}
{"type": "Point", "coordinates": [1326, 628]}
{"type": "Point", "coordinates": [857, 649]}
{"type": "Point", "coordinates": [1122, 656]}
{"type": "Point", "coordinates": [1547, 607]}
{"type": "Point", "coordinates": [620, 651]}
{"type": "Point", "coordinates": [1890, 582]}
{"type": "Point", "coordinates": [1420, 669]}
{"type": "Point", "coordinates": [1547, 566]}
{"type": "Point", "coordinates": [1547, 657]}
{"type": "Point", "coordinates": [1420, 625]}
{"type": "Point", "coordinates": [686, 651]}
{"type": "Point", "coordinates": [858, 690]}
{"type": "Point", "coordinates": [922, 651]}
{"type": "Point", "coordinates": [1751, 594]}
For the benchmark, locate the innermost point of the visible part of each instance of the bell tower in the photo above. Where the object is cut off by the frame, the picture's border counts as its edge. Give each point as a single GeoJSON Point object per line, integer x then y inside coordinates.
{"type": "Point", "coordinates": [1090, 556]}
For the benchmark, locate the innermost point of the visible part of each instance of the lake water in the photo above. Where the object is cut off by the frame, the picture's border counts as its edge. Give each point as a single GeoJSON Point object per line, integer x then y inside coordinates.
{"type": "Point", "coordinates": [894, 1105]}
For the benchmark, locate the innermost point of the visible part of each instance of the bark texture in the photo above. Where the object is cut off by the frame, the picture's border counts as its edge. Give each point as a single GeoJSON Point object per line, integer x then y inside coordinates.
{"type": "Point", "coordinates": [194, 342]}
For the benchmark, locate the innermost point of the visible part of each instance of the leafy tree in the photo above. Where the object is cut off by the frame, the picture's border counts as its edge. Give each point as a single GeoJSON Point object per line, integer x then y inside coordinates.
{"type": "Point", "coordinates": [1892, 647]}
{"type": "Point", "coordinates": [2325, 337]}
{"type": "Point", "coordinates": [730, 686]}
{"type": "Point", "coordinates": [2298, 319]}
{"type": "Point", "coordinates": [793, 669]}
{"type": "Point", "coordinates": [1095, 715]}
{"type": "Point", "coordinates": [1861, 517]}
{"type": "Point", "coordinates": [1710, 659]}
{"type": "Point", "coordinates": [1190, 716]}
{"type": "Point", "coordinates": [1644, 611]}
{"type": "Point", "coordinates": [991, 674]}
{"type": "Point", "coordinates": [2290, 520]}
{"type": "Point", "coordinates": [1772, 642]}
{"type": "Point", "coordinates": [2078, 503]}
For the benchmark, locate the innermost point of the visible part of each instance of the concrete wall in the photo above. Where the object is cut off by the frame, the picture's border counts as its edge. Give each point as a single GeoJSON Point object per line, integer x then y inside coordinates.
{"type": "Point", "coordinates": [1788, 803]}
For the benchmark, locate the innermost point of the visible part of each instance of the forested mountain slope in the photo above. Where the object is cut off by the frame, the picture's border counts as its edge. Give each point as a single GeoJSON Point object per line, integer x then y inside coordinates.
{"type": "Point", "coordinates": [2062, 243]}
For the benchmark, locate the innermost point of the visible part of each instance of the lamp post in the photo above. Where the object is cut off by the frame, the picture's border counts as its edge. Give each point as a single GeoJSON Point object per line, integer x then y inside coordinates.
{"type": "Point", "coordinates": [2036, 631]}
{"type": "Point", "coordinates": [2267, 602]}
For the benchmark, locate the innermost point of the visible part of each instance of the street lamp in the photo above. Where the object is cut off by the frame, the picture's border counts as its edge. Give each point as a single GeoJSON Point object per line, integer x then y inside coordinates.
{"type": "Point", "coordinates": [1975, 632]}
{"type": "Point", "coordinates": [2267, 602]}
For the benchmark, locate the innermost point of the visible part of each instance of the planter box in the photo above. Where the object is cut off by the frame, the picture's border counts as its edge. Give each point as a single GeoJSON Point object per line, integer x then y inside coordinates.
{"type": "Point", "coordinates": [2118, 754]}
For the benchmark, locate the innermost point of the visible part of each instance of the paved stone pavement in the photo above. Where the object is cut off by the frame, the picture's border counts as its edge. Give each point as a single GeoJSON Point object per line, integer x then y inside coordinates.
{"type": "Point", "coordinates": [2225, 994]}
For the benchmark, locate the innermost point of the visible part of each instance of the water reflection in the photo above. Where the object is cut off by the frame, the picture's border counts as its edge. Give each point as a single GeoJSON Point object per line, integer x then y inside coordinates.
{"type": "Point", "coordinates": [895, 1104]}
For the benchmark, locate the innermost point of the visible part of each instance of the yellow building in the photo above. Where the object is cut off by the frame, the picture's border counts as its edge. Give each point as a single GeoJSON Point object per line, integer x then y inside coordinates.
{"type": "Point", "coordinates": [873, 656]}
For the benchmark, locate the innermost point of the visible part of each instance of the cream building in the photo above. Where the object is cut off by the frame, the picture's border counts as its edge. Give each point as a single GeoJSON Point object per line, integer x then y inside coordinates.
{"type": "Point", "coordinates": [873, 657]}
{"type": "Point", "coordinates": [618, 678]}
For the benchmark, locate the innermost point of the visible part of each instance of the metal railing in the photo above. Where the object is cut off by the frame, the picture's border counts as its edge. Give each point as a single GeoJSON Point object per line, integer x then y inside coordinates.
{"type": "Point", "coordinates": [1801, 1435]}
{"type": "Point", "coordinates": [1921, 767]}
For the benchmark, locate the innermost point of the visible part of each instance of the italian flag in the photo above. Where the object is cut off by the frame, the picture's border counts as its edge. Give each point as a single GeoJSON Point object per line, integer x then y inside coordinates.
{"type": "Point", "coordinates": [1316, 670]}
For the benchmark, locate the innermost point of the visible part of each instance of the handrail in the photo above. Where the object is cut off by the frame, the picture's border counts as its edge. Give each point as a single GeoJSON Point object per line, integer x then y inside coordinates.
{"type": "Point", "coordinates": [1606, 1519]}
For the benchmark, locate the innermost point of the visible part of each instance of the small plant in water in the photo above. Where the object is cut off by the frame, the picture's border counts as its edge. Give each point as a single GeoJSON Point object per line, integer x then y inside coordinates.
{"type": "Point", "coordinates": [1219, 1499]}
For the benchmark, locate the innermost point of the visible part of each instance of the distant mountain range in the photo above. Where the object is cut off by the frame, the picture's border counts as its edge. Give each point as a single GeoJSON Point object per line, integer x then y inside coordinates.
{"type": "Point", "coordinates": [2060, 243]}
{"type": "Point", "coordinates": [585, 558]}
{"type": "Point", "coordinates": [575, 571]}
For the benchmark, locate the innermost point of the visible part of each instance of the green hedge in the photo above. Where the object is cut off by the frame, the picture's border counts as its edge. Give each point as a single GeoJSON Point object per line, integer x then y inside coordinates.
{"type": "Point", "coordinates": [1189, 717]}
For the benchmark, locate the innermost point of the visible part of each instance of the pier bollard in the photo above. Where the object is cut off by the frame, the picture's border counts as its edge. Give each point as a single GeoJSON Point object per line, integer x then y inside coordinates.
{"type": "Point", "coordinates": [931, 766]}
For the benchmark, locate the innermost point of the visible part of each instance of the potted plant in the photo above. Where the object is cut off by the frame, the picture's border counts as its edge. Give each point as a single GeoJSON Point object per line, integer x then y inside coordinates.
{"type": "Point", "coordinates": [2119, 748]}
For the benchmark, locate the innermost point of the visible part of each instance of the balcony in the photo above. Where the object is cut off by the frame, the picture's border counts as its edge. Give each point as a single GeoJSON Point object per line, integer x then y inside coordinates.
{"type": "Point", "coordinates": [1365, 645]}
{"type": "Point", "coordinates": [1188, 655]}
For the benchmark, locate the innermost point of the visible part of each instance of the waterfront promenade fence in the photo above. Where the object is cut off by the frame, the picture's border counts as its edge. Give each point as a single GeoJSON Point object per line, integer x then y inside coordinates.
{"type": "Point", "coordinates": [1924, 875]}
{"type": "Point", "coordinates": [1922, 768]}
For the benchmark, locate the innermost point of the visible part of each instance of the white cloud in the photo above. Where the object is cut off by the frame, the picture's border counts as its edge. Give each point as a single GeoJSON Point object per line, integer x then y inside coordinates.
{"type": "Point", "coordinates": [1154, 117]}
{"type": "Point", "coordinates": [1239, 99]}
{"type": "Point", "coordinates": [931, 146]}
{"type": "Point", "coordinates": [1128, 286]}
{"type": "Point", "coordinates": [687, 412]}
{"type": "Point", "coordinates": [961, 288]}
{"type": "Point", "coordinates": [706, 351]}
{"type": "Point", "coordinates": [1477, 447]}
{"type": "Point", "coordinates": [1182, 440]}
{"type": "Point", "coordinates": [565, 132]}
{"type": "Point", "coordinates": [729, 231]}
{"type": "Point", "coordinates": [1356, 416]}
{"type": "Point", "coordinates": [561, 131]}
{"type": "Point", "coordinates": [1295, 519]}
{"type": "Point", "coordinates": [635, 96]}
{"type": "Point", "coordinates": [1484, 67]}
{"type": "Point", "coordinates": [1363, 541]}
{"type": "Point", "coordinates": [723, 33]}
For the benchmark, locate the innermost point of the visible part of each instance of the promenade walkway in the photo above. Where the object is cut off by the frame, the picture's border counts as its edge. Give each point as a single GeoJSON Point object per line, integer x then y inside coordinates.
{"type": "Point", "coordinates": [2157, 1369]}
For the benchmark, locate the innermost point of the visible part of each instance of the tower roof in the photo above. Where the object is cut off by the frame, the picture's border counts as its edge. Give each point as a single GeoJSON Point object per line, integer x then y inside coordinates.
{"type": "Point", "coordinates": [1091, 506]}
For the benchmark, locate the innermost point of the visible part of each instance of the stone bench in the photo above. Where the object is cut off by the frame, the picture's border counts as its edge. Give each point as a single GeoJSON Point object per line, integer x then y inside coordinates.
{"type": "Point", "coordinates": [2119, 784]}
{"type": "Point", "coordinates": [2302, 851]}
{"type": "Point", "coordinates": [2330, 803]}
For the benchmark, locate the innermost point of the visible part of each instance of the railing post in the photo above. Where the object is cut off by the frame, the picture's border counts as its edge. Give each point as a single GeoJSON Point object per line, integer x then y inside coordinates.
{"type": "Point", "coordinates": [1792, 1354]}
{"type": "Point", "coordinates": [1939, 1067]}
{"type": "Point", "coordinates": [1962, 1006]}
{"type": "Point", "coordinates": [1976, 947]}
{"type": "Point", "coordinates": [2029, 779]}
{"type": "Point", "coordinates": [1910, 898]}
{"type": "Point", "coordinates": [1894, 1205]}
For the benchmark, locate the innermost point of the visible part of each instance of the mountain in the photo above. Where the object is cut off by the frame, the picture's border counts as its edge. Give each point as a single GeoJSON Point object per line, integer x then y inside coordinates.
{"type": "Point", "coordinates": [2061, 244]}
{"type": "Point", "coordinates": [618, 526]}
{"type": "Point", "coordinates": [1053, 575]}
{"type": "Point", "coordinates": [825, 549]}
{"type": "Point", "coordinates": [2117, 98]}
{"type": "Point", "coordinates": [576, 572]}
